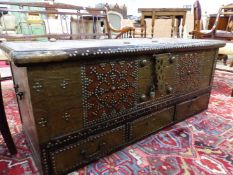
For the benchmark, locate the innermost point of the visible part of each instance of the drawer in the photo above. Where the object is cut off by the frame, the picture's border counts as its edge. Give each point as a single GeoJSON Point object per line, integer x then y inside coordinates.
{"type": "Point", "coordinates": [71, 156]}
{"type": "Point", "coordinates": [148, 124]}
{"type": "Point", "coordinates": [191, 107]}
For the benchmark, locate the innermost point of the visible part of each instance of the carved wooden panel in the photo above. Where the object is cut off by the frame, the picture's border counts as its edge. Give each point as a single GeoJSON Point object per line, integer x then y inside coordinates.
{"type": "Point", "coordinates": [109, 89]}
{"type": "Point", "coordinates": [206, 63]}
{"type": "Point", "coordinates": [56, 99]}
{"type": "Point", "coordinates": [193, 70]}
{"type": "Point", "coordinates": [188, 72]}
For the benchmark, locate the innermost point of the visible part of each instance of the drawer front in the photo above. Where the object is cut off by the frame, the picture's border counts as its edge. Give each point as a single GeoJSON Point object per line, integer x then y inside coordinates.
{"type": "Point", "coordinates": [74, 155]}
{"type": "Point", "coordinates": [191, 107]}
{"type": "Point", "coordinates": [149, 124]}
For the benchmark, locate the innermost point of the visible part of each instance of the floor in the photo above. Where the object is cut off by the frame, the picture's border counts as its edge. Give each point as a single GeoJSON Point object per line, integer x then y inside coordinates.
{"type": "Point", "coordinates": [221, 66]}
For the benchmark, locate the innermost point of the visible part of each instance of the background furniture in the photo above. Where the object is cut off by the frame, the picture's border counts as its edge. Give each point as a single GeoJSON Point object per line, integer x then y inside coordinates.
{"type": "Point", "coordinates": [221, 29]}
{"type": "Point", "coordinates": [223, 23]}
{"type": "Point", "coordinates": [214, 33]}
{"type": "Point", "coordinates": [176, 14]}
{"type": "Point", "coordinates": [101, 95]}
{"type": "Point", "coordinates": [56, 19]}
{"type": "Point", "coordinates": [121, 9]}
{"type": "Point", "coordinates": [8, 23]}
{"type": "Point", "coordinates": [4, 128]}
{"type": "Point", "coordinates": [115, 19]}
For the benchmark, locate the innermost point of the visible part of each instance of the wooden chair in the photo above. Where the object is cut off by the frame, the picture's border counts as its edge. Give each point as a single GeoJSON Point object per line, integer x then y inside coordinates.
{"type": "Point", "coordinates": [226, 33]}
{"type": "Point", "coordinates": [213, 33]}
{"type": "Point", "coordinates": [4, 128]}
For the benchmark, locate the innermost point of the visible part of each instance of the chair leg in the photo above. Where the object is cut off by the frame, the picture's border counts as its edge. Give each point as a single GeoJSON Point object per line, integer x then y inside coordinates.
{"type": "Point", "coordinates": [225, 58]}
{"type": "Point", "coordinates": [4, 128]}
{"type": "Point", "coordinates": [231, 64]}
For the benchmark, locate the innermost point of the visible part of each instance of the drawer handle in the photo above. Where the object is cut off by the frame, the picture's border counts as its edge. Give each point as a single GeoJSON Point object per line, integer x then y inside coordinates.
{"type": "Point", "coordinates": [84, 154]}
{"type": "Point", "coordinates": [152, 91]}
{"type": "Point", "coordinates": [102, 145]}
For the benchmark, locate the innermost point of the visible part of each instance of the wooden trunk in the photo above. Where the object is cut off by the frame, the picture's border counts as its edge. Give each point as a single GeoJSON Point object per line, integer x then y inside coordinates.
{"type": "Point", "coordinates": [81, 100]}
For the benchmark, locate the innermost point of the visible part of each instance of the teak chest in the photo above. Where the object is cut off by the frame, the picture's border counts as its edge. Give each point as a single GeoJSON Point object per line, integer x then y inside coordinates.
{"type": "Point", "coordinates": [81, 100]}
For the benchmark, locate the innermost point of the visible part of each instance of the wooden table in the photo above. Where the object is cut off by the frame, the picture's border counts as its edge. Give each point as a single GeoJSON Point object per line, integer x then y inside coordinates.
{"type": "Point", "coordinates": [173, 13]}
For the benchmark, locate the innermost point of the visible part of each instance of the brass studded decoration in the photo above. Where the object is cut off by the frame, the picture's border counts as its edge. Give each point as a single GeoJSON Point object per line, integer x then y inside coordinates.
{"type": "Point", "coordinates": [37, 86]}
{"type": "Point", "coordinates": [188, 72]}
{"type": "Point", "coordinates": [165, 64]}
{"type": "Point", "coordinates": [109, 89]}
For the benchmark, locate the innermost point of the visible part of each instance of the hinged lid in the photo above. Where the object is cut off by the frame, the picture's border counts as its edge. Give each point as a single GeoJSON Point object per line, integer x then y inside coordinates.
{"type": "Point", "coordinates": [26, 53]}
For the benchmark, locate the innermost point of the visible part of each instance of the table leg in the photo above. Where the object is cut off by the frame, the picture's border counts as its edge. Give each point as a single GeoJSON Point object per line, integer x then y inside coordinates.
{"type": "Point", "coordinates": [178, 22]}
{"type": "Point", "coordinates": [153, 24]}
{"type": "Point", "coordinates": [142, 24]}
{"type": "Point", "coordinates": [4, 128]}
{"type": "Point", "coordinates": [173, 23]}
{"type": "Point", "coordinates": [183, 24]}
